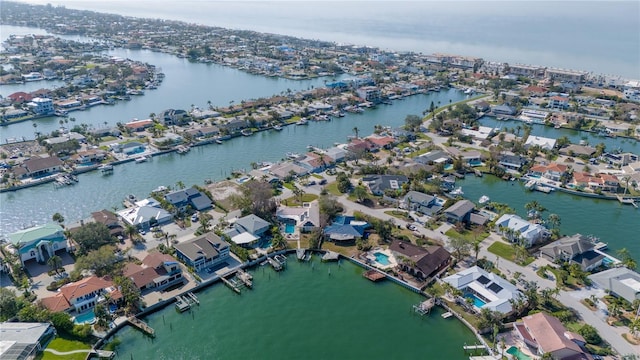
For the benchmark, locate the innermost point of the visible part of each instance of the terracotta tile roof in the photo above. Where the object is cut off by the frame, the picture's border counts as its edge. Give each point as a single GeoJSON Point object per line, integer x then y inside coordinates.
{"type": "Point", "coordinates": [84, 287]}
{"type": "Point", "coordinates": [549, 332]}
{"type": "Point", "coordinates": [56, 303]}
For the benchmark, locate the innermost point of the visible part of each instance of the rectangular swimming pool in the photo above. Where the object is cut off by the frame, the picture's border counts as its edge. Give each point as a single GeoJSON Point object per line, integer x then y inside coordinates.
{"type": "Point", "coordinates": [477, 302]}
{"type": "Point", "coordinates": [381, 258]}
{"type": "Point", "coordinates": [289, 228]}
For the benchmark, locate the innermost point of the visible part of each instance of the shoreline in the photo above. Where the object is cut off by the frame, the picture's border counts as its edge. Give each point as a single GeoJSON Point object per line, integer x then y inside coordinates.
{"type": "Point", "coordinates": [161, 305]}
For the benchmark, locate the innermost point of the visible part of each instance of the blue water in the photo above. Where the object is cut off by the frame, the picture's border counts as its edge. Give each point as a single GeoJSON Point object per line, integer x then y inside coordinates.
{"type": "Point", "coordinates": [381, 258]}
{"type": "Point", "coordinates": [289, 229]}
{"type": "Point", "coordinates": [88, 317]}
{"type": "Point", "coordinates": [476, 301]}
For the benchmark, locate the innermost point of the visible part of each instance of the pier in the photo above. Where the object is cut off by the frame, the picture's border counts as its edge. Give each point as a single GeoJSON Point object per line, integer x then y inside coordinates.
{"type": "Point", "coordinates": [245, 277]}
{"type": "Point", "coordinates": [425, 307]}
{"type": "Point", "coordinates": [231, 285]}
{"type": "Point", "coordinates": [373, 275]}
{"type": "Point", "coordinates": [193, 298]}
{"type": "Point", "coordinates": [330, 256]}
{"type": "Point", "coordinates": [276, 265]}
{"type": "Point", "coordinates": [627, 200]}
{"type": "Point", "coordinates": [182, 304]}
{"type": "Point", "coordinates": [142, 326]}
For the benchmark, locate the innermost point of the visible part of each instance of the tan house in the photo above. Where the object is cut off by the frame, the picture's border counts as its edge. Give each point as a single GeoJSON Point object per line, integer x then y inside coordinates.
{"type": "Point", "coordinates": [546, 334]}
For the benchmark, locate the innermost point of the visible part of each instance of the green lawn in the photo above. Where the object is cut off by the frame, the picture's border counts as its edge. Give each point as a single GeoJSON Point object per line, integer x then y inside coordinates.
{"type": "Point", "coordinates": [507, 252]}
{"type": "Point", "coordinates": [293, 201]}
{"type": "Point", "coordinates": [63, 345]}
{"type": "Point", "coordinates": [467, 235]}
{"type": "Point", "coordinates": [333, 189]}
{"type": "Point", "coordinates": [317, 176]}
{"type": "Point", "coordinates": [403, 215]}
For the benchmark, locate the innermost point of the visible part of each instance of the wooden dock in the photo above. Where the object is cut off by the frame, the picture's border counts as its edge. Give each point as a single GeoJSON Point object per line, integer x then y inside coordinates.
{"type": "Point", "coordinates": [245, 277]}
{"type": "Point", "coordinates": [193, 298]}
{"type": "Point", "coordinates": [628, 201]}
{"type": "Point", "coordinates": [424, 307]}
{"type": "Point", "coordinates": [231, 285]}
{"type": "Point", "coordinates": [182, 304]}
{"type": "Point", "coordinates": [275, 264]}
{"type": "Point", "coordinates": [374, 275]}
{"type": "Point", "coordinates": [142, 326]}
{"type": "Point", "coordinates": [330, 256]}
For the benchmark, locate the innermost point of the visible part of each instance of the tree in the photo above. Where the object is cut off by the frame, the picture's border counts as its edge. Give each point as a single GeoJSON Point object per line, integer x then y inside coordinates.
{"type": "Point", "coordinates": [256, 198]}
{"type": "Point", "coordinates": [554, 220]}
{"type": "Point", "coordinates": [360, 192]}
{"type": "Point", "coordinates": [55, 262]}
{"type": "Point", "coordinates": [130, 231]}
{"type": "Point", "coordinates": [590, 334]}
{"type": "Point", "coordinates": [412, 122]}
{"type": "Point", "coordinates": [92, 236]}
{"type": "Point", "coordinates": [344, 184]}
{"type": "Point", "coordinates": [180, 184]}
{"type": "Point", "coordinates": [205, 222]}
{"type": "Point", "coordinates": [298, 193]}
{"type": "Point", "coordinates": [329, 208]}
{"type": "Point", "coordinates": [57, 217]}
{"type": "Point", "coordinates": [102, 315]}
{"type": "Point", "coordinates": [460, 246]}
{"type": "Point", "coordinates": [130, 293]}
{"type": "Point", "coordinates": [531, 294]}
{"type": "Point", "coordinates": [102, 261]}
{"type": "Point", "coordinates": [8, 304]}
{"type": "Point", "coordinates": [278, 241]}
{"type": "Point", "coordinates": [626, 259]}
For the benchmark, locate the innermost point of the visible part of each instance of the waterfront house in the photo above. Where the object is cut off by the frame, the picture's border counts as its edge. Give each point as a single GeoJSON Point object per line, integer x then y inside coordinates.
{"type": "Point", "coordinates": [433, 157]}
{"type": "Point", "coordinates": [578, 150]}
{"type": "Point", "coordinates": [287, 168]}
{"type": "Point", "coordinates": [379, 184]}
{"type": "Point", "coordinates": [558, 102]}
{"type": "Point", "coordinates": [139, 125]}
{"type": "Point", "coordinates": [306, 217]}
{"type": "Point", "coordinates": [336, 154]}
{"type": "Point", "coordinates": [38, 167]}
{"type": "Point", "coordinates": [144, 214]}
{"type": "Point", "coordinates": [547, 335]}
{"type": "Point", "coordinates": [313, 162]}
{"type": "Point", "coordinates": [82, 295]}
{"type": "Point", "coordinates": [24, 340]}
{"type": "Point", "coordinates": [620, 281]}
{"type": "Point", "coordinates": [512, 162]}
{"type": "Point", "coordinates": [172, 117]}
{"type": "Point", "coordinates": [193, 197]}
{"type": "Point", "coordinates": [577, 249]}
{"type": "Point", "coordinates": [516, 229]}
{"type": "Point", "coordinates": [69, 136]}
{"type": "Point", "coordinates": [203, 252]}
{"type": "Point", "coordinates": [157, 272]}
{"type": "Point", "coordinates": [39, 242]}
{"type": "Point", "coordinates": [252, 224]}
{"type": "Point", "coordinates": [370, 93]}
{"type": "Point", "coordinates": [89, 157]}
{"type": "Point", "coordinates": [41, 106]}
{"type": "Point", "coordinates": [20, 97]}
{"type": "Point", "coordinates": [132, 148]}
{"type": "Point", "coordinates": [487, 290]}
{"type": "Point", "coordinates": [167, 140]}
{"type": "Point", "coordinates": [552, 171]}
{"type": "Point", "coordinates": [460, 211]}
{"type": "Point", "coordinates": [108, 219]}
{"type": "Point", "coordinates": [543, 142]}
{"type": "Point", "coordinates": [503, 110]}
{"type": "Point", "coordinates": [599, 182]}
{"type": "Point", "coordinates": [420, 202]}
{"type": "Point", "coordinates": [345, 230]}
{"type": "Point", "coordinates": [418, 261]}
{"type": "Point", "coordinates": [471, 157]}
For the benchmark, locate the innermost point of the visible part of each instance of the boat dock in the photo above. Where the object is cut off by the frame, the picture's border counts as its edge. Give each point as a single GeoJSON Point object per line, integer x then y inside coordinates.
{"type": "Point", "coordinates": [373, 275]}
{"type": "Point", "coordinates": [231, 285]}
{"type": "Point", "coordinates": [425, 307]}
{"type": "Point", "coordinates": [182, 304]}
{"type": "Point", "coordinates": [275, 264]}
{"type": "Point", "coordinates": [193, 297]}
{"type": "Point", "coordinates": [542, 188]}
{"type": "Point", "coordinates": [245, 277]}
{"type": "Point", "coordinates": [627, 200]}
{"type": "Point", "coordinates": [142, 326]}
{"type": "Point", "coordinates": [447, 315]}
{"type": "Point", "coordinates": [300, 254]}
{"type": "Point", "coordinates": [330, 256]}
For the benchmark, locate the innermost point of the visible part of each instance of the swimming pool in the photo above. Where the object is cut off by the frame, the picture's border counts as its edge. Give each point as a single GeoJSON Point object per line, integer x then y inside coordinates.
{"type": "Point", "coordinates": [88, 317]}
{"type": "Point", "coordinates": [289, 228]}
{"type": "Point", "coordinates": [518, 354]}
{"type": "Point", "coordinates": [606, 261]}
{"type": "Point", "coordinates": [477, 302]}
{"type": "Point", "coordinates": [381, 258]}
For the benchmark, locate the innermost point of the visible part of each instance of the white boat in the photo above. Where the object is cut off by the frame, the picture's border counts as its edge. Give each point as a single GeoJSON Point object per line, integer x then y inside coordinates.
{"type": "Point", "coordinates": [457, 191]}
{"type": "Point", "coordinates": [246, 132]}
{"type": "Point", "coordinates": [469, 91]}
{"type": "Point", "coordinates": [106, 168]}
{"type": "Point", "coordinates": [302, 121]}
{"type": "Point", "coordinates": [292, 155]}
{"type": "Point", "coordinates": [484, 199]}
{"type": "Point", "coordinates": [277, 127]}
{"type": "Point", "coordinates": [141, 159]}
{"type": "Point", "coordinates": [530, 184]}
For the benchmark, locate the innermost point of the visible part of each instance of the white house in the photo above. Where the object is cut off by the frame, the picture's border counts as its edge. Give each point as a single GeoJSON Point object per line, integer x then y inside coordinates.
{"type": "Point", "coordinates": [543, 142]}
{"type": "Point", "coordinates": [41, 106]}
{"type": "Point", "coordinates": [487, 290]}
{"type": "Point", "coordinates": [520, 230]}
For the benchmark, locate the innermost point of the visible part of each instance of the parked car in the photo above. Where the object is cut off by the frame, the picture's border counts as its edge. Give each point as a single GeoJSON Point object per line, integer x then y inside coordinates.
{"type": "Point", "coordinates": [194, 218]}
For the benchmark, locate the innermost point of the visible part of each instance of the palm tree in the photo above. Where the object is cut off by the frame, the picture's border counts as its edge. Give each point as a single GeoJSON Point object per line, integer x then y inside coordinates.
{"type": "Point", "coordinates": [298, 193]}
{"type": "Point", "coordinates": [55, 262]}
{"type": "Point", "coordinates": [554, 220]}
{"type": "Point", "coordinates": [205, 222]}
{"type": "Point", "coordinates": [131, 231]}
{"type": "Point", "coordinates": [180, 184]}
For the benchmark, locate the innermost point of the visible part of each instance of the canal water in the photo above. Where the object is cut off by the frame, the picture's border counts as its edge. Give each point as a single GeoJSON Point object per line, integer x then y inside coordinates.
{"type": "Point", "coordinates": [310, 311]}
{"type": "Point", "coordinates": [95, 191]}
{"type": "Point", "coordinates": [612, 222]}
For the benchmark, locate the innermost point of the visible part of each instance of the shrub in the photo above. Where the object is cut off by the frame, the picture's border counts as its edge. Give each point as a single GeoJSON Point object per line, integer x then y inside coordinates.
{"type": "Point", "coordinates": [590, 334]}
{"type": "Point", "coordinates": [82, 331]}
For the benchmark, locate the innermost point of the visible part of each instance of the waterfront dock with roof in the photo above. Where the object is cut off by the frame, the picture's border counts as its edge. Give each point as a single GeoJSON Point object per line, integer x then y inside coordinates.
{"type": "Point", "coordinates": [425, 307]}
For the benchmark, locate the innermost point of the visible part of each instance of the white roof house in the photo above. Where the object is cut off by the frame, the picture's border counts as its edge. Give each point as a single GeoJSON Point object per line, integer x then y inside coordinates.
{"type": "Point", "coordinates": [141, 214]}
{"type": "Point", "coordinates": [543, 142]}
{"type": "Point", "coordinates": [529, 232]}
{"type": "Point", "coordinates": [492, 290]}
